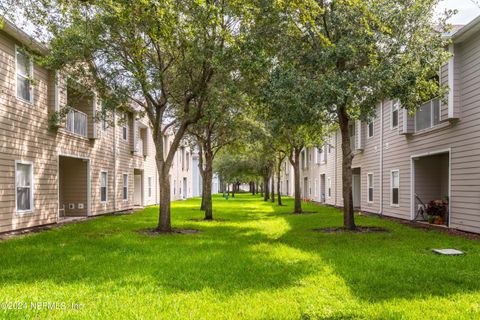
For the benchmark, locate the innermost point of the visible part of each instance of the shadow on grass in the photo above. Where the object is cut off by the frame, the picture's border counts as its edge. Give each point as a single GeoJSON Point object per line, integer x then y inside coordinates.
{"type": "Point", "coordinates": [110, 251]}
{"type": "Point", "coordinates": [384, 266]}
{"type": "Point", "coordinates": [238, 255]}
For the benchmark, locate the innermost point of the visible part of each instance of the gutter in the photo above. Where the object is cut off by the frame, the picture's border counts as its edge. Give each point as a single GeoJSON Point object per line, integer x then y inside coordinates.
{"type": "Point", "coordinates": [114, 161]}
{"type": "Point", "coordinates": [381, 159]}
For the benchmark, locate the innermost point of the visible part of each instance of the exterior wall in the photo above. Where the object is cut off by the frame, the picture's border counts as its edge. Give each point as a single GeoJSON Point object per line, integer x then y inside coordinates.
{"type": "Point", "coordinates": [78, 160]}
{"type": "Point", "coordinates": [389, 149]}
{"type": "Point", "coordinates": [24, 136]}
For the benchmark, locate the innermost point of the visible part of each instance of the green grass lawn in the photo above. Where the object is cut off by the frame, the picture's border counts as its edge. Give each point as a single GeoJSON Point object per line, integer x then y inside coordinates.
{"type": "Point", "coordinates": [261, 263]}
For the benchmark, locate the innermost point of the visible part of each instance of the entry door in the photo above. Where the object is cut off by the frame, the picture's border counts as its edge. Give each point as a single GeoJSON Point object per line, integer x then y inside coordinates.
{"type": "Point", "coordinates": [137, 195]}
{"type": "Point", "coordinates": [322, 188]}
{"type": "Point", "coordinates": [356, 190]}
{"type": "Point", "coordinates": [184, 188]}
{"type": "Point", "coordinates": [305, 188]}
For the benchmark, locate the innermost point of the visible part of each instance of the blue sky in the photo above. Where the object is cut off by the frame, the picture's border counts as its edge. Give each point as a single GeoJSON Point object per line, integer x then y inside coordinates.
{"type": "Point", "coordinates": [467, 10]}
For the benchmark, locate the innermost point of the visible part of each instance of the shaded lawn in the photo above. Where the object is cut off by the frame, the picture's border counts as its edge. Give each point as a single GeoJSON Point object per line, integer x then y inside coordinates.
{"type": "Point", "coordinates": [261, 263]}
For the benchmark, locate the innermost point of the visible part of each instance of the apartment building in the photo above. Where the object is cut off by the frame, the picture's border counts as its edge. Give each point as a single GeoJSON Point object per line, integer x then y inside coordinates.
{"type": "Point", "coordinates": [77, 166]}
{"type": "Point", "coordinates": [402, 162]}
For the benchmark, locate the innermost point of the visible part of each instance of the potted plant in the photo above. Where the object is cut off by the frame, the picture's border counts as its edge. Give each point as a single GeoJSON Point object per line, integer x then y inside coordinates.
{"type": "Point", "coordinates": [437, 211]}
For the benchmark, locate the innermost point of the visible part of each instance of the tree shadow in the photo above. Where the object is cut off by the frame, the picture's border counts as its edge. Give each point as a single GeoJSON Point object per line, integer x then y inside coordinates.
{"type": "Point", "coordinates": [384, 266]}
{"type": "Point", "coordinates": [224, 257]}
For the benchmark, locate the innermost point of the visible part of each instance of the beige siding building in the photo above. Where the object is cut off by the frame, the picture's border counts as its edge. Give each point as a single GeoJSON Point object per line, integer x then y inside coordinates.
{"type": "Point", "coordinates": [84, 167]}
{"type": "Point", "coordinates": [401, 162]}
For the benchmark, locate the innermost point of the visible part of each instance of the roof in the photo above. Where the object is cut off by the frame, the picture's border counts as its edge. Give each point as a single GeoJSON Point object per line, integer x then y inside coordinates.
{"type": "Point", "coordinates": [21, 36]}
{"type": "Point", "coordinates": [462, 34]}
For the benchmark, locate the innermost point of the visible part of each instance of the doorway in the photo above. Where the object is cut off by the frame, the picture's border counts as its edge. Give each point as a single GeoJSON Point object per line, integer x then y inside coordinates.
{"type": "Point", "coordinates": [138, 188]}
{"type": "Point", "coordinates": [356, 188]}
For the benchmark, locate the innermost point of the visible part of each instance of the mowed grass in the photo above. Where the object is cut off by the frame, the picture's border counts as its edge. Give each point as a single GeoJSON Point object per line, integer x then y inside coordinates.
{"type": "Point", "coordinates": [260, 263]}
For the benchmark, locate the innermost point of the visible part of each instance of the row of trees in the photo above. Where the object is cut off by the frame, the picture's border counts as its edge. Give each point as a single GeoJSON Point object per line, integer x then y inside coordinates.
{"type": "Point", "coordinates": [223, 72]}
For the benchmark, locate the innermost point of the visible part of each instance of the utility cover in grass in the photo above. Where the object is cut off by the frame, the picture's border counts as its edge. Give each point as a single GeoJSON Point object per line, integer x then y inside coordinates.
{"type": "Point", "coordinates": [448, 252]}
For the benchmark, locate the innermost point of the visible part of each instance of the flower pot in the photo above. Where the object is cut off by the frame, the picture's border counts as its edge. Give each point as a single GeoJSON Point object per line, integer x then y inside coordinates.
{"type": "Point", "coordinates": [431, 218]}
{"type": "Point", "coordinates": [438, 220]}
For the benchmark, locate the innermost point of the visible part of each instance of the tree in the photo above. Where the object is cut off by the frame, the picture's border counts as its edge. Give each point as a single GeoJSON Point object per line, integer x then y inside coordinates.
{"type": "Point", "coordinates": [221, 126]}
{"type": "Point", "coordinates": [163, 56]}
{"type": "Point", "coordinates": [279, 161]}
{"type": "Point", "coordinates": [359, 53]}
{"type": "Point", "coordinates": [292, 117]}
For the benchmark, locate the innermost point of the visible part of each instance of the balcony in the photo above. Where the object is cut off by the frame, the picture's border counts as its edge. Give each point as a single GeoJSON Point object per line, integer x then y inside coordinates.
{"type": "Point", "coordinates": [77, 123]}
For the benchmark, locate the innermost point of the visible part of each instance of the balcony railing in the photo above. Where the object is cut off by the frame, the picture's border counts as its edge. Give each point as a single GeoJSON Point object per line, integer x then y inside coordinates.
{"type": "Point", "coordinates": [77, 122]}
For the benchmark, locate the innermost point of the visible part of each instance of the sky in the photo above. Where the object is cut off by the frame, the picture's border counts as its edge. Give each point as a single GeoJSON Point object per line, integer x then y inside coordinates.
{"type": "Point", "coordinates": [467, 10]}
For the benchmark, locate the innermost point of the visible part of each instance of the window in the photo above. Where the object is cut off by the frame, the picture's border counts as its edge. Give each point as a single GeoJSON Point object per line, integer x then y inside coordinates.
{"type": "Point", "coordinates": [370, 129]}
{"type": "Point", "coordinates": [125, 127]}
{"type": "Point", "coordinates": [58, 83]}
{"type": "Point", "coordinates": [24, 186]}
{"type": "Point", "coordinates": [427, 115]}
{"type": "Point", "coordinates": [188, 161]}
{"type": "Point", "coordinates": [24, 70]}
{"type": "Point", "coordinates": [104, 118]}
{"type": "Point", "coordinates": [103, 186]}
{"type": "Point", "coordinates": [370, 187]}
{"type": "Point", "coordinates": [149, 187]}
{"type": "Point", "coordinates": [182, 157]}
{"type": "Point", "coordinates": [329, 185]}
{"type": "Point", "coordinates": [395, 183]}
{"type": "Point", "coordinates": [125, 186]}
{"type": "Point", "coordinates": [395, 115]}
{"type": "Point", "coordinates": [352, 128]}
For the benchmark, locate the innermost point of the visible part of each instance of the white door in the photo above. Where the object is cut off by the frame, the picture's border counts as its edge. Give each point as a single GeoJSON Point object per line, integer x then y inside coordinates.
{"type": "Point", "coordinates": [356, 190]}
{"type": "Point", "coordinates": [137, 195]}
{"type": "Point", "coordinates": [184, 188]}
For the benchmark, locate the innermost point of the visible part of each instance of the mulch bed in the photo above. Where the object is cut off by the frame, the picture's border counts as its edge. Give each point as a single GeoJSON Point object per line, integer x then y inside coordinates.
{"type": "Point", "coordinates": [155, 232]}
{"type": "Point", "coordinates": [205, 220]}
{"type": "Point", "coordinates": [357, 230]}
{"type": "Point", "coordinates": [431, 227]}
{"type": "Point", "coordinates": [304, 213]}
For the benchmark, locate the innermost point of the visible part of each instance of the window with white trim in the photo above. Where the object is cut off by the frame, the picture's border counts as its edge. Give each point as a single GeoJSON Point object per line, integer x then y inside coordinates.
{"type": "Point", "coordinates": [370, 129]}
{"type": "Point", "coordinates": [395, 112]}
{"type": "Point", "coordinates": [329, 187]}
{"type": "Point", "coordinates": [125, 127]}
{"type": "Point", "coordinates": [149, 187]}
{"type": "Point", "coordinates": [58, 83]}
{"type": "Point", "coordinates": [24, 186]}
{"type": "Point", "coordinates": [103, 186]}
{"type": "Point", "coordinates": [370, 187]}
{"type": "Point", "coordinates": [427, 115]}
{"type": "Point", "coordinates": [125, 186]}
{"type": "Point", "coordinates": [24, 74]}
{"type": "Point", "coordinates": [395, 186]}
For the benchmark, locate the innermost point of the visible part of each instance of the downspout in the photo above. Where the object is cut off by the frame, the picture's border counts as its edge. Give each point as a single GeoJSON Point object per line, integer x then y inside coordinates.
{"type": "Point", "coordinates": [335, 171]}
{"type": "Point", "coordinates": [381, 159]}
{"type": "Point", "coordinates": [114, 162]}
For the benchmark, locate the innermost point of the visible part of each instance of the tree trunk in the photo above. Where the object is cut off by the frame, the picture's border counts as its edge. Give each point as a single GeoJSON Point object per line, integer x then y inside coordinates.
{"type": "Point", "coordinates": [261, 189]}
{"type": "Point", "coordinates": [347, 154]}
{"type": "Point", "coordinates": [273, 185]}
{"type": "Point", "coordinates": [233, 190]}
{"type": "Point", "coordinates": [266, 191]}
{"type": "Point", "coordinates": [296, 176]}
{"type": "Point", "coordinates": [279, 196]}
{"type": "Point", "coordinates": [208, 187]}
{"type": "Point", "coordinates": [202, 174]}
{"type": "Point", "coordinates": [164, 223]}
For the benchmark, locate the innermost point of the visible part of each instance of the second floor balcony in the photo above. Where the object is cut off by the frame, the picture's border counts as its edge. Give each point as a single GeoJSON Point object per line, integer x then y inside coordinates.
{"type": "Point", "coordinates": [77, 122]}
